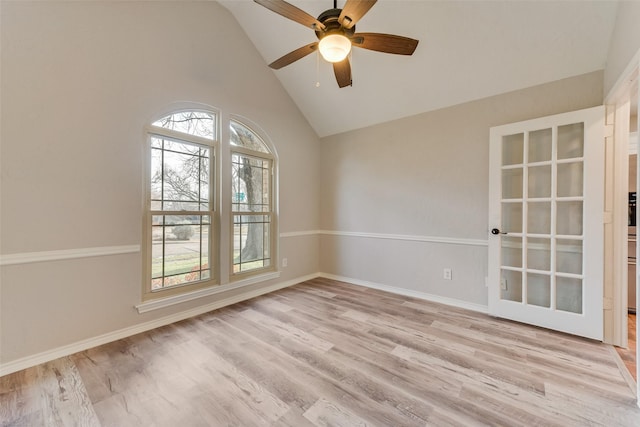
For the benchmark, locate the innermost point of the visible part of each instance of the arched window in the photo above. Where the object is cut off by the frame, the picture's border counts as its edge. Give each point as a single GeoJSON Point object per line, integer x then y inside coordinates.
{"type": "Point", "coordinates": [252, 204]}
{"type": "Point", "coordinates": [180, 203]}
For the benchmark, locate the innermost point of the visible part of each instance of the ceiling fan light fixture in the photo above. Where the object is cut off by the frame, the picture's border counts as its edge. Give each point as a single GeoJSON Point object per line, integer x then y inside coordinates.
{"type": "Point", "coordinates": [334, 47]}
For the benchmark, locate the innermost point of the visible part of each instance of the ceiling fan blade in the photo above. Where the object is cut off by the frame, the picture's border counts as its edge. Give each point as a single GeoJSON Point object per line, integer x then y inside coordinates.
{"type": "Point", "coordinates": [387, 43]}
{"type": "Point", "coordinates": [354, 10]}
{"type": "Point", "coordinates": [294, 56]}
{"type": "Point", "coordinates": [288, 10]}
{"type": "Point", "coordinates": [342, 70]}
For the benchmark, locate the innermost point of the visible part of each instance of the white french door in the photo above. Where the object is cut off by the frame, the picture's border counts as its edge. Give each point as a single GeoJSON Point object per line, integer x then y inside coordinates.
{"type": "Point", "coordinates": [546, 195]}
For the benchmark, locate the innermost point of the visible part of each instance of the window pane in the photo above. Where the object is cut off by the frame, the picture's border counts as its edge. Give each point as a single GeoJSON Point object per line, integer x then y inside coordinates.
{"type": "Point", "coordinates": [539, 254]}
{"type": "Point", "coordinates": [179, 176]}
{"type": "Point", "coordinates": [539, 218]}
{"type": "Point", "coordinates": [512, 149]}
{"type": "Point", "coordinates": [190, 122]}
{"type": "Point", "coordinates": [569, 218]}
{"type": "Point", "coordinates": [569, 256]}
{"type": "Point", "coordinates": [512, 217]}
{"type": "Point", "coordinates": [539, 290]}
{"type": "Point", "coordinates": [571, 141]}
{"type": "Point", "coordinates": [539, 181]}
{"type": "Point", "coordinates": [180, 250]}
{"type": "Point", "coordinates": [512, 183]}
{"type": "Point", "coordinates": [511, 285]}
{"type": "Point", "coordinates": [540, 145]}
{"type": "Point", "coordinates": [241, 136]}
{"type": "Point", "coordinates": [512, 251]}
{"type": "Point", "coordinates": [251, 237]}
{"type": "Point", "coordinates": [570, 179]}
{"type": "Point", "coordinates": [250, 183]}
{"type": "Point", "coordinates": [569, 294]}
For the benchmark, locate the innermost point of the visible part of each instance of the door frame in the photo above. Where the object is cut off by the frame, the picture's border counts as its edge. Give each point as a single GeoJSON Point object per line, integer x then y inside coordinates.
{"type": "Point", "coordinates": [617, 102]}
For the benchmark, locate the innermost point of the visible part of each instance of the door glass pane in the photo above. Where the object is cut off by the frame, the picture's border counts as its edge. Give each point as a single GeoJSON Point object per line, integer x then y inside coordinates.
{"type": "Point", "coordinates": [539, 254]}
{"type": "Point", "coordinates": [511, 285]}
{"type": "Point", "coordinates": [512, 251]}
{"type": "Point", "coordinates": [539, 290]}
{"type": "Point", "coordinates": [512, 217]}
{"type": "Point", "coordinates": [571, 141]}
{"type": "Point", "coordinates": [569, 294]}
{"type": "Point", "coordinates": [569, 256]}
{"type": "Point", "coordinates": [539, 181]}
{"type": "Point", "coordinates": [539, 218]}
{"type": "Point", "coordinates": [512, 149]}
{"type": "Point", "coordinates": [512, 183]}
{"type": "Point", "coordinates": [570, 179]}
{"type": "Point", "coordinates": [569, 218]}
{"type": "Point", "coordinates": [540, 145]}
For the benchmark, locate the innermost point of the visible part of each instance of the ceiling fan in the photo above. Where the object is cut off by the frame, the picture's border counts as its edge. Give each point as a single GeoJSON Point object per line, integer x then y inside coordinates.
{"type": "Point", "coordinates": [336, 32]}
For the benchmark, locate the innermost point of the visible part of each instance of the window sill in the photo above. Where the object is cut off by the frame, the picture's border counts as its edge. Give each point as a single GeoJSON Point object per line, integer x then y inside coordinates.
{"type": "Point", "coordinates": [201, 293]}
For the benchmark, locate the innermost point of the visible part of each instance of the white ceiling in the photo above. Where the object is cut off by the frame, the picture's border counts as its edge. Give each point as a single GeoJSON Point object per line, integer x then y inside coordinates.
{"type": "Point", "coordinates": [468, 50]}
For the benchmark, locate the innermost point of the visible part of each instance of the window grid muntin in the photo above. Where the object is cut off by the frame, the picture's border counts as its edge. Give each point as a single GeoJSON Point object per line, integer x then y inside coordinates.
{"type": "Point", "coordinates": [255, 145]}
{"type": "Point", "coordinates": [554, 200]}
{"type": "Point", "coordinates": [238, 264]}
{"type": "Point", "coordinates": [265, 167]}
{"type": "Point", "coordinates": [204, 253]}
{"type": "Point", "coordinates": [264, 208]}
{"type": "Point", "coordinates": [205, 215]}
{"type": "Point", "coordinates": [203, 199]}
{"type": "Point", "coordinates": [209, 134]}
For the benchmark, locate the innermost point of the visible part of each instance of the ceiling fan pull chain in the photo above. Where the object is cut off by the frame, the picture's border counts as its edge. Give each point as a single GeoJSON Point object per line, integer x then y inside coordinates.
{"type": "Point", "coordinates": [318, 69]}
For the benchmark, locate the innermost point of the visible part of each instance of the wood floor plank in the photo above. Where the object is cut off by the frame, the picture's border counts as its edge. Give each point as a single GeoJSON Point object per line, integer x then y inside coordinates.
{"type": "Point", "coordinates": [328, 353]}
{"type": "Point", "coordinates": [324, 413]}
{"type": "Point", "coordinates": [51, 394]}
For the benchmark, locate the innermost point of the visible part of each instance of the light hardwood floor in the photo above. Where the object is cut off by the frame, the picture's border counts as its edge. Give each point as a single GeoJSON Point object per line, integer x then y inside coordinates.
{"type": "Point", "coordinates": [628, 355]}
{"type": "Point", "coordinates": [326, 353]}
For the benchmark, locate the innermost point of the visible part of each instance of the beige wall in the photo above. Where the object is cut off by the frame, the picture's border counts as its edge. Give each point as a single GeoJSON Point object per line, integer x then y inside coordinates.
{"type": "Point", "coordinates": [425, 175]}
{"type": "Point", "coordinates": [79, 82]}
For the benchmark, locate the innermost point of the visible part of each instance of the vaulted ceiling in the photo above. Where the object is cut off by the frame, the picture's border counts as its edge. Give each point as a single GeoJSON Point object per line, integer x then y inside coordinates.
{"type": "Point", "coordinates": [468, 50]}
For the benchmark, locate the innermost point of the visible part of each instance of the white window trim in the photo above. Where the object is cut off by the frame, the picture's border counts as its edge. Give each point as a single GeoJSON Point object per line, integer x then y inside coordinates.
{"type": "Point", "coordinates": [156, 304]}
{"type": "Point", "coordinates": [272, 156]}
{"type": "Point", "coordinates": [173, 292]}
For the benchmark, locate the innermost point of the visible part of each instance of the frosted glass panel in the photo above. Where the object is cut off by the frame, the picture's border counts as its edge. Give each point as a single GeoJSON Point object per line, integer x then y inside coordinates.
{"type": "Point", "coordinates": [570, 179]}
{"type": "Point", "coordinates": [539, 254]}
{"type": "Point", "coordinates": [539, 181]}
{"type": "Point", "coordinates": [571, 141]}
{"type": "Point", "coordinates": [569, 294]}
{"type": "Point", "coordinates": [539, 290]}
{"type": "Point", "coordinates": [539, 218]}
{"type": "Point", "coordinates": [512, 251]}
{"type": "Point", "coordinates": [512, 183]}
{"type": "Point", "coordinates": [540, 145]}
{"type": "Point", "coordinates": [512, 149]}
{"type": "Point", "coordinates": [511, 285]}
{"type": "Point", "coordinates": [569, 256]}
{"type": "Point", "coordinates": [511, 217]}
{"type": "Point", "coordinates": [569, 218]}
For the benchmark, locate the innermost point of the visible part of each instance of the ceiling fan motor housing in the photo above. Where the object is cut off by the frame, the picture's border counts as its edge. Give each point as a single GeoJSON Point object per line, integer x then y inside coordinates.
{"type": "Point", "coordinates": [330, 20]}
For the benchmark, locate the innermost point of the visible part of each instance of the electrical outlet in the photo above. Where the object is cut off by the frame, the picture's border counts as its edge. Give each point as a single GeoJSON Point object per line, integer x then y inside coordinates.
{"type": "Point", "coordinates": [447, 274]}
{"type": "Point", "coordinates": [503, 284]}
{"type": "Point", "coordinates": [284, 262]}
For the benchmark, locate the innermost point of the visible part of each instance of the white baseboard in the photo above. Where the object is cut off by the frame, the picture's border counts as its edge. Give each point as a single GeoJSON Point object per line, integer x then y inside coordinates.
{"type": "Point", "coordinates": [49, 355]}
{"type": "Point", "coordinates": [409, 293]}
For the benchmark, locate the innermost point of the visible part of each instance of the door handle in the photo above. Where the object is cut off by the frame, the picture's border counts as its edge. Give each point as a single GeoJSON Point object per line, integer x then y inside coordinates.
{"type": "Point", "coordinates": [495, 231]}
